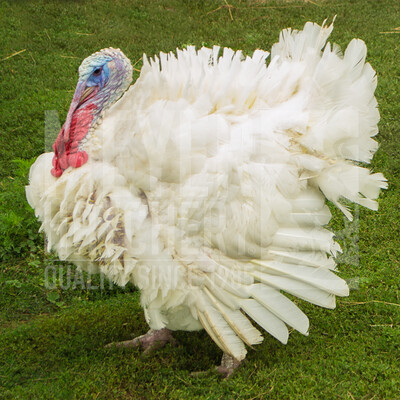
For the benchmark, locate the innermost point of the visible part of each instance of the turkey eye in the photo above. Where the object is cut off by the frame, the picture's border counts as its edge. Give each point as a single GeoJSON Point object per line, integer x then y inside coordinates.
{"type": "Point", "coordinates": [97, 71]}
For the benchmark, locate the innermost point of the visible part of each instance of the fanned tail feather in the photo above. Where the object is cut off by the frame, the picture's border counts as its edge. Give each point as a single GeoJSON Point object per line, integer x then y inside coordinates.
{"type": "Point", "coordinates": [332, 95]}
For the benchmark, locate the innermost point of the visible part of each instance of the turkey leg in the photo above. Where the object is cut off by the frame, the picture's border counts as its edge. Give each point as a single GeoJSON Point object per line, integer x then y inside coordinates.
{"type": "Point", "coordinates": [152, 340]}
{"type": "Point", "coordinates": [226, 369]}
{"type": "Point", "coordinates": [228, 365]}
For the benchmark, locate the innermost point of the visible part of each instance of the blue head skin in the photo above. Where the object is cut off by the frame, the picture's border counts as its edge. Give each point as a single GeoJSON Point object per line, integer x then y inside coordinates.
{"type": "Point", "coordinates": [97, 72]}
{"type": "Point", "coordinates": [103, 78]}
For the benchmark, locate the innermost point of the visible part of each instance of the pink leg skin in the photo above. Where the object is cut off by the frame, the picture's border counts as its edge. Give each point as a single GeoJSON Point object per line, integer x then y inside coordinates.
{"type": "Point", "coordinates": [228, 365]}
{"type": "Point", "coordinates": [150, 341]}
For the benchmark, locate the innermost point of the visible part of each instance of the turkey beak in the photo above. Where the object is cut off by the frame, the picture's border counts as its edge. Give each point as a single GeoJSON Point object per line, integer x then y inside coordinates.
{"type": "Point", "coordinates": [79, 95]}
{"type": "Point", "coordinates": [82, 92]}
{"type": "Point", "coordinates": [86, 93]}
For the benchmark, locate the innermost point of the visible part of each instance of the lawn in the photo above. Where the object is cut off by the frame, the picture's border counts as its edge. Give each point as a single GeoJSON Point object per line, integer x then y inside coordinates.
{"type": "Point", "coordinates": [55, 321]}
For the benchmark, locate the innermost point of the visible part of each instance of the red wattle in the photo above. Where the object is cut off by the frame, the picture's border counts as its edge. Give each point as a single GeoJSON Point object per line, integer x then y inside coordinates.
{"type": "Point", "coordinates": [66, 153]}
{"type": "Point", "coordinates": [56, 172]}
{"type": "Point", "coordinates": [77, 159]}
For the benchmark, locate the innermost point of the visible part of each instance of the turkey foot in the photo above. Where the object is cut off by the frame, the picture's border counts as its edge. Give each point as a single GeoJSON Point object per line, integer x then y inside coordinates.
{"type": "Point", "coordinates": [152, 340]}
{"type": "Point", "coordinates": [226, 369]}
{"type": "Point", "coordinates": [228, 365]}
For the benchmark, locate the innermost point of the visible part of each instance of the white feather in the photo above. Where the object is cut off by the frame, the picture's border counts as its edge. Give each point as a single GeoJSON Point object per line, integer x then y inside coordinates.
{"type": "Point", "coordinates": [226, 337]}
{"type": "Point", "coordinates": [281, 306]}
{"type": "Point", "coordinates": [267, 320]}
{"type": "Point", "coordinates": [238, 322]}
{"type": "Point", "coordinates": [319, 277]}
{"type": "Point", "coordinates": [302, 290]}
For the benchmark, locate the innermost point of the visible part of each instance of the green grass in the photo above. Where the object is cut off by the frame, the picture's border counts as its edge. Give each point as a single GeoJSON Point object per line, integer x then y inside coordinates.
{"type": "Point", "coordinates": [51, 340]}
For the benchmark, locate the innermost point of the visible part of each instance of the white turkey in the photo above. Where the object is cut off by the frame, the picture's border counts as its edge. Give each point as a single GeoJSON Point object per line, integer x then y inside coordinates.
{"type": "Point", "coordinates": [205, 182]}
